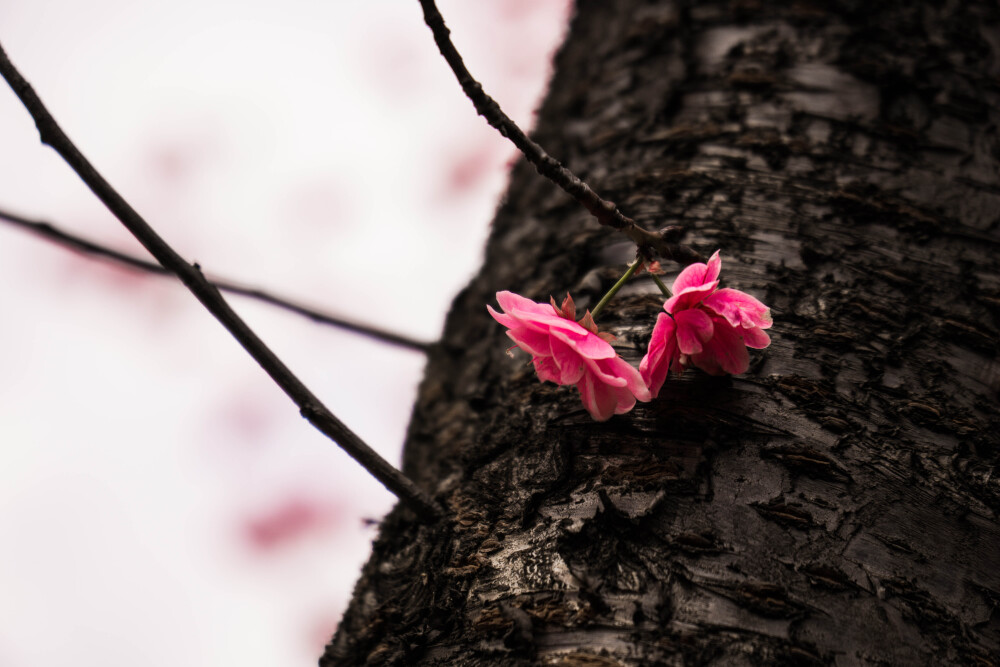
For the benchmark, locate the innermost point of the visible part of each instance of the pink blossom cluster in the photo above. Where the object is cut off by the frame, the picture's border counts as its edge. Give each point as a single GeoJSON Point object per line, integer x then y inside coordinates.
{"type": "Point", "coordinates": [704, 326]}
{"type": "Point", "coordinates": [701, 326]}
{"type": "Point", "coordinates": [565, 352]}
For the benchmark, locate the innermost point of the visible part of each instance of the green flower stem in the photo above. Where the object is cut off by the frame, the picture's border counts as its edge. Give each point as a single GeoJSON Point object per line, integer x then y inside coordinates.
{"type": "Point", "coordinates": [659, 283]}
{"type": "Point", "coordinates": [614, 289]}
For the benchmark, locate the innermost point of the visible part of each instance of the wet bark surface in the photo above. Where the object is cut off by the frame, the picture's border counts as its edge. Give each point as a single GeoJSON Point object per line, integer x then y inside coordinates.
{"type": "Point", "coordinates": [836, 505]}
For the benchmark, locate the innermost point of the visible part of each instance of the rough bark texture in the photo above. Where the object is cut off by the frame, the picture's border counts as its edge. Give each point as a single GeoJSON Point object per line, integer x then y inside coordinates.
{"type": "Point", "coordinates": [835, 505]}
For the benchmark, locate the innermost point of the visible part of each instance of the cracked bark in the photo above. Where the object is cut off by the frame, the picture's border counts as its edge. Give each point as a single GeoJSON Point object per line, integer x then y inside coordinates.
{"type": "Point", "coordinates": [837, 505]}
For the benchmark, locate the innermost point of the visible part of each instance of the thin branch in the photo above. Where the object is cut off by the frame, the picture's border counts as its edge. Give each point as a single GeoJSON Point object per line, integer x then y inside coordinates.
{"type": "Point", "coordinates": [92, 248]}
{"type": "Point", "coordinates": [663, 242]}
{"type": "Point", "coordinates": [309, 405]}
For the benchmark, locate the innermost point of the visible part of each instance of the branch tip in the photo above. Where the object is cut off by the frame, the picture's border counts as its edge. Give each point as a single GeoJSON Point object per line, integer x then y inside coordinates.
{"type": "Point", "coordinates": [94, 249]}
{"type": "Point", "coordinates": [205, 292]}
{"type": "Point", "coordinates": [604, 211]}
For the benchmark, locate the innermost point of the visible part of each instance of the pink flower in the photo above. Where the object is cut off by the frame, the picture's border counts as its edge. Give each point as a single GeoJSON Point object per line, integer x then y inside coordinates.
{"type": "Point", "coordinates": [568, 352]}
{"type": "Point", "coordinates": [704, 326]}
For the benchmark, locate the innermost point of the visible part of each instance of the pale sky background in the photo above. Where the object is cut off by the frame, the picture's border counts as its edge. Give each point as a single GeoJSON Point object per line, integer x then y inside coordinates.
{"type": "Point", "coordinates": [161, 501]}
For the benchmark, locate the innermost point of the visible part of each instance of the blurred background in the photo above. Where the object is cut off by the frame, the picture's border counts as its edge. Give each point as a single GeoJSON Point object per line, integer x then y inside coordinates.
{"type": "Point", "coordinates": [161, 501]}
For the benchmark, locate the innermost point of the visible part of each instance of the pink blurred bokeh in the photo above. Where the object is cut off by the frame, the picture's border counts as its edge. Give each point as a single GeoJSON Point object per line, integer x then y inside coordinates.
{"type": "Point", "coordinates": [161, 501]}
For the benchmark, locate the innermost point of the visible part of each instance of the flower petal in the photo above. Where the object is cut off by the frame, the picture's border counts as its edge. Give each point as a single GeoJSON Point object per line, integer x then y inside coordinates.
{"type": "Point", "coordinates": [503, 319]}
{"type": "Point", "coordinates": [626, 401]}
{"type": "Point", "coordinates": [739, 308]}
{"type": "Point", "coordinates": [533, 342]}
{"type": "Point", "coordinates": [694, 327]}
{"type": "Point", "coordinates": [547, 369]}
{"type": "Point", "coordinates": [599, 398]}
{"type": "Point", "coordinates": [660, 354]}
{"type": "Point", "coordinates": [570, 363]}
{"type": "Point", "coordinates": [634, 383]}
{"type": "Point", "coordinates": [585, 343]}
{"type": "Point", "coordinates": [603, 373]}
{"type": "Point", "coordinates": [725, 352]}
{"type": "Point", "coordinates": [689, 297]}
{"type": "Point", "coordinates": [511, 302]}
{"type": "Point", "coordinates": [756, 338]}
{"type": "Point", "coordinates": [698, 274]}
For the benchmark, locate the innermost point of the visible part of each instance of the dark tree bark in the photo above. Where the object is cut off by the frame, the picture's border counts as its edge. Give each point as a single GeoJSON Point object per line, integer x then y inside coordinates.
{"type": "Point", "coordinates": [835, 505]}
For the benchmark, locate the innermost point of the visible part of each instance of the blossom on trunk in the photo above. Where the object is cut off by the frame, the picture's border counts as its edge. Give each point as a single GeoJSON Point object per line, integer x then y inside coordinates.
{"type": "Point", "coordinates": [704, 326]}
{"type": "Point", "coordinates": [572, 353]}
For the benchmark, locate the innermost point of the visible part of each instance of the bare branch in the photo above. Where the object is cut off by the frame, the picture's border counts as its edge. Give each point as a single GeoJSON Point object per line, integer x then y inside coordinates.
{"type": "Point", "coordinates": [664, 242]}
{"type": "Point", "coordinates": [309, 405]}
{"type": "Point", "coordinates": [91, 248]}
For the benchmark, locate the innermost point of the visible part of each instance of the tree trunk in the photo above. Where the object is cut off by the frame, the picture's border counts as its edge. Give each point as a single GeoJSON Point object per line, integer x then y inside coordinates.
{"type": "Point", "coordinates": [835, 505]}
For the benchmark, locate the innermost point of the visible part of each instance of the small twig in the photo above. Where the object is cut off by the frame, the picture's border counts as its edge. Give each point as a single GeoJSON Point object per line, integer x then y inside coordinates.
{"type": "Point", "coordinates": [614, 288]}
{"type": "Point", "coordinates": [309, 405]}
{"type": "Point", "coordinates": [663, 242]}
{"type": "Point", "coordinates": [659, 283]}
{"type": "Point", "coordinates": [92, 248]}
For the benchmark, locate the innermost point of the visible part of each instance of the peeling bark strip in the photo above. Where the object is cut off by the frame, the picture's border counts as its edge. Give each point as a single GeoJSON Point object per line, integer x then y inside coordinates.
{"type": "Point", "coordinates": [835, 506]}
